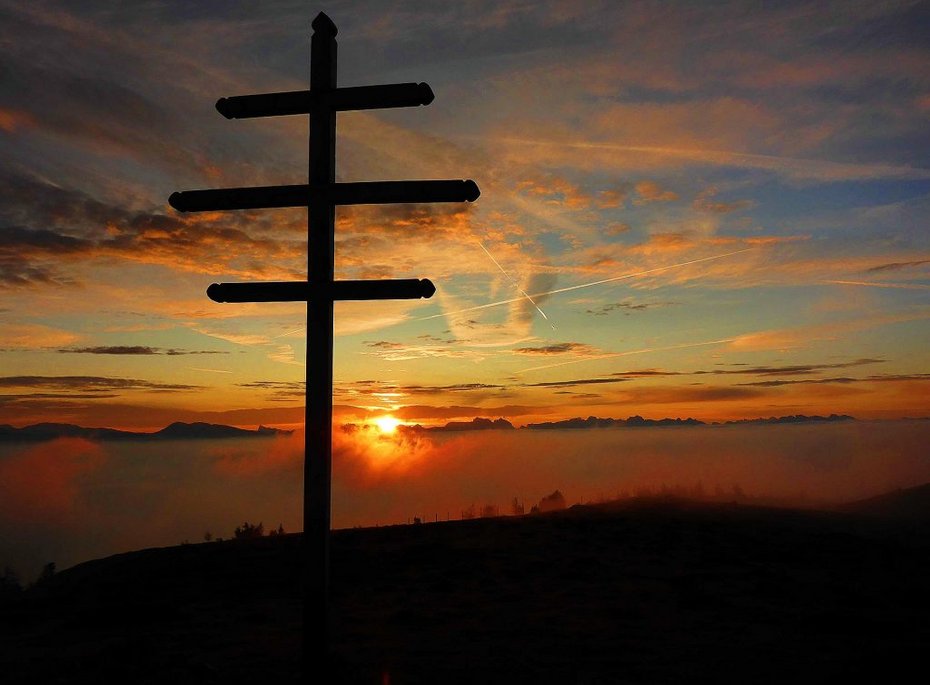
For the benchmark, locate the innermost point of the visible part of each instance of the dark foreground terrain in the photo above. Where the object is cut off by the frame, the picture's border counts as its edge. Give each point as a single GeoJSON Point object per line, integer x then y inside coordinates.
{"type": "Point", "coordinates": [635, 592]}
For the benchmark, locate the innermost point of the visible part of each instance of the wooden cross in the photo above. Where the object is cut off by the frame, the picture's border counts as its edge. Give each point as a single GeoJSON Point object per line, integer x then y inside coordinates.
{"type": "Point", "coordinates": [321, 195]}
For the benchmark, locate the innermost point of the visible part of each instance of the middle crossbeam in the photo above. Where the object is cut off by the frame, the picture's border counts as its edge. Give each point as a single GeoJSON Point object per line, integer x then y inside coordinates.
{"type": "Point", "coordinates": [302, 195]}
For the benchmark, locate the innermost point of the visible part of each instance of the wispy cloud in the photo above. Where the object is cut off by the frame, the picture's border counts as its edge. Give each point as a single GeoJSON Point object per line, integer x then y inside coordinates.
{"type": "Point", "coordinates": [279, 391]}
{"type": "Point", "coordinates": [575, 382]}
{"type": "Point", "coordinates": [897, 378]}
{"type": "Point", "coordinates": [141, 350]}
{"type": "Point", "coordinates": [626, 307]}
{"type": "Point", "coordinates": [791, 369]}
{"type": "Point", "coordinates": [557, 348]}
{"type": "Point", "coordinates": [617, 155]}
{"type": "Point", "coordinates": [897, 266]}
{"type": "Point", "coordinates": [391, 351]}
{"type": "Point", "coordinates": [803, 336]}
{"type": "Point", "coordinates": [628, 353]}
{"type": "Point", "coordinates": [92, 384]}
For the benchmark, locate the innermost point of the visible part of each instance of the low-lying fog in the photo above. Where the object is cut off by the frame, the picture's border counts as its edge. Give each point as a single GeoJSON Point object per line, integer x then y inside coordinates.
{"type": "Point", "coordinates": [71, 500]}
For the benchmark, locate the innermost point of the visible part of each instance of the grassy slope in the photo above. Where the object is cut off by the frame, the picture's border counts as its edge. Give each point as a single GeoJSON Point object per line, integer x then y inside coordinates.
{"type": "Point", "coordinates": [638, 592]}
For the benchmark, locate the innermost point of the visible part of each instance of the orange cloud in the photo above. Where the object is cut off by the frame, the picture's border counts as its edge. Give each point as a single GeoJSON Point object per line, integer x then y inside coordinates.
{"type": "Point", "coordinates": [12, 120]}
{"type": "Point", "coordinates": [803, 336]}
{"type": "Point", "coordinates": [32, 336]}
{"type": "Point", "coordinates": [560, 191]}
{"type": "Point", "coordinates": [650, 191]}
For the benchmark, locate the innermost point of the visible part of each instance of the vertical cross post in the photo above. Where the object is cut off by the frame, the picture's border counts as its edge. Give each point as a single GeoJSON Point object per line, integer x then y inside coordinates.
{"type": "Point", "coordinates": [321, 195]}
{"type": "Point", "coordinates": [318, 450]}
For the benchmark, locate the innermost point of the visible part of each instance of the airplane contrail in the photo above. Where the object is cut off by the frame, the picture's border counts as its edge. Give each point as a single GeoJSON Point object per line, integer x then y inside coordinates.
{"type": "Point", "coordinates": [878, 284]}
{"type": "Point", "coordinates": [516, 285]}
{"type": "Point", "coordinates": [287, 334]}
{"type": "Point", "coordinates": [586, 285]}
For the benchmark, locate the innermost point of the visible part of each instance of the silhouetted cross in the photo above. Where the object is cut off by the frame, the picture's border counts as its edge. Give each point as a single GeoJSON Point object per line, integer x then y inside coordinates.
{"type": "Point", "coordinates": [320, 196]}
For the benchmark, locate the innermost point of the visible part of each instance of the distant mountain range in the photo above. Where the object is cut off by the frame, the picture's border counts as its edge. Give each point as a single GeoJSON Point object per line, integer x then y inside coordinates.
{"type": "Point", "coordinates": [176, 431]}
{"type": "Point", "coordinates": [479, 423]}
{"type": "Point", "coordinates": [203, 431]}
{"type": "Point", "coordinates": [476, 424]}
{"type": "Point", "coordinates": [639, 421]}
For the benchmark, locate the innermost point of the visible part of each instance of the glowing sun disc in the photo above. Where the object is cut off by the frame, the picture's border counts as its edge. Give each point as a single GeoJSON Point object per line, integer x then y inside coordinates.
{"type": "Point", "coordinates": [386, 424]}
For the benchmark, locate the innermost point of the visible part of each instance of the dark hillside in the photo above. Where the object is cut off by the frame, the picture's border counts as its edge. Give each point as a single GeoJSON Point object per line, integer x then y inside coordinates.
{"type": "Point", "coordinates": [911, 504]}
{"type": "Point", "coordinates": [635, 592]}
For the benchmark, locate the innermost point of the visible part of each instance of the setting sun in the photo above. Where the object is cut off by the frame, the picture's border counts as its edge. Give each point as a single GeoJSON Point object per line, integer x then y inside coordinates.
{"type": "Point", "coordinates": [386, 424]}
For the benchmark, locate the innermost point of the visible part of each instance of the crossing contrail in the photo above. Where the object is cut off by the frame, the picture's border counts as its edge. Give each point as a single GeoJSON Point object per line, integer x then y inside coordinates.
{"type": "Point", "coordinates": [516, 285]}
{"type": "Point", "coordinates": [878, 284]}
{"type": "Point", "coordinates": [288, 334]}
{"type": "Point", "coordinates": [586, 285]}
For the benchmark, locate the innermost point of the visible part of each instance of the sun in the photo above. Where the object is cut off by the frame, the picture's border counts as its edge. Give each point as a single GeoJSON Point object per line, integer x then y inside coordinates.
{"type": "Point", "coordinates": [386, 424]}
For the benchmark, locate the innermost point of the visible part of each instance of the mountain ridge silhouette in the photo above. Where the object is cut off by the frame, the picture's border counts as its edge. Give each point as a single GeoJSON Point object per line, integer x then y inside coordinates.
{"type": "Point", "coordinates": [178, 430]}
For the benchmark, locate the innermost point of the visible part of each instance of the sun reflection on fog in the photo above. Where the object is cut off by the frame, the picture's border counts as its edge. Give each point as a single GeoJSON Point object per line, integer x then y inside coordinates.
{"type": "Point", "coordinates": [386, 424]}
{"type": "Point", "coordinates": [382, 446]}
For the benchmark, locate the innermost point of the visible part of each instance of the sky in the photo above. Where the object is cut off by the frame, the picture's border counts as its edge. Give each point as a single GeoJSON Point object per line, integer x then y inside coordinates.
{"type": "Point", "coordinates": [715, 211]}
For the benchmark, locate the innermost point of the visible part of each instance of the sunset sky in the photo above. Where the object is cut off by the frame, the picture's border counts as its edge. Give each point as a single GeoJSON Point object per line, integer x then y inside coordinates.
{"type": "Point", "coordinates": [721, 211]}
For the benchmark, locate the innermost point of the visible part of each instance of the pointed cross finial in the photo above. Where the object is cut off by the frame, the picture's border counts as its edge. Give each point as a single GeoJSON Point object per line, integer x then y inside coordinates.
{"type": "Point", "coordinates": [323, 24]}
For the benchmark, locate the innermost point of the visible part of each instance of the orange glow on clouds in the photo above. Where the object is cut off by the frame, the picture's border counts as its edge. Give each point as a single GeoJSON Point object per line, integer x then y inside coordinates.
{"type": "Point", "coordinates": [11, 120]}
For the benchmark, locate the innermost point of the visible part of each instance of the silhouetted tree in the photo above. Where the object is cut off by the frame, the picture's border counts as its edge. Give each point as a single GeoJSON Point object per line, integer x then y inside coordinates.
{"type": "Point", "coordinates": [208, 536]}
{"type": "Point", "coordinates": [552, 502]}
{"type": "Point", "coordinates": [516, 507]}
{"type": "Point", "coordinates": [469, 513]}
{"type": "Point", "coordinates": [277, 531]}
{"type": "Point", "coordinates": [248, 530]}
{"type": "Point", "coordinates": [488, 511]}
{"type": "Point", "coordinates": [48, 572]}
